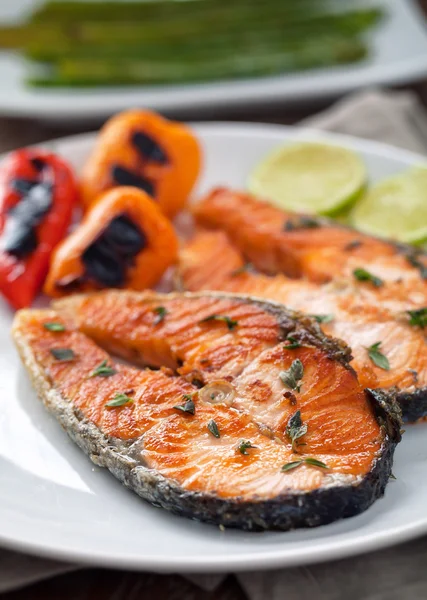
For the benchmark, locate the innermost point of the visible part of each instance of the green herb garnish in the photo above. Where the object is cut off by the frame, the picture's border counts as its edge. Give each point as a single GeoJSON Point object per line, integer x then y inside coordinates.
{"type": "Point", "coordinates": [246, 268]}
{"type": "Point", "coordinates": [352, 245]}
{"type": "Point", "coordinates": [307, 461]}
{"type": "Point", "coordinates": [293, 343]}
{"type": "Point", "coordinates": [63, 354]}
{"type": "Point", "coordinates": [378, 357]}
{"type": "Point", "coordinates": [295, 429]}
{"type": "Point", "coordinates": [292, 376]}
{"type": "Point", "coordinates": [213, 428]}
{"type": "Point", "coordinates": [54, 326]}
{"type": "Point", "coordinates": [364, 275]}
{"type": "Point", "coordinates": [418, 317]}
{"type": "Point", "coordinates": [244, 445]}
{"type": "Point", "coordinates": [119, 400]}
{"type": "Point", "coordinates": [322, 318]}
{"type": "Point", "coordinates": [188, 406]}
{"type": "Point", "coordinates": [161, 313]}
{"type": "Point", "coordinates": [301, 222]}
{"type": "Point", "coordinates": [103, 370]}
{"type": "Point", "coordinates": [414, 262]}
{"type": "Point", "coordinates": [231, 324]}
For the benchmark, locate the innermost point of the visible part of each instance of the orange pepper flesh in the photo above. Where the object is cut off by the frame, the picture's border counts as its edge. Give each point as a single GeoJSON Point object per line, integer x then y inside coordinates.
{"type": "Point", "coordinates": [68, 271]}
{"type": "Point", "coordinates": [143, 149]}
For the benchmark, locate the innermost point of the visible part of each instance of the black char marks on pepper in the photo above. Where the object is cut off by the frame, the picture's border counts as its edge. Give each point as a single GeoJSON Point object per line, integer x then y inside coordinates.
{"type": "Point", "coordinates": [19, 235]}
{"type": "Point", "coordinates": [148, 150]}
{"type": "Point", "coordinates": [123, 176]}
{"type": "Point", "coordinates": [114, 250]}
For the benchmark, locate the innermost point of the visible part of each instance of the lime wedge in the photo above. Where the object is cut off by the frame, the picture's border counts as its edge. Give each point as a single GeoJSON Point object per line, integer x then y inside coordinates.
{"type": "Point", "coordinates": [395, 208]}
{"type": "Point", "coordinates": [309, 178]}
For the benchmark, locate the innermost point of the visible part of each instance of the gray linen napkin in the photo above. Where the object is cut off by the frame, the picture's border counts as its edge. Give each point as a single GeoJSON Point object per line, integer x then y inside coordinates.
{"type": "Point", "coordinates": [398, 573]}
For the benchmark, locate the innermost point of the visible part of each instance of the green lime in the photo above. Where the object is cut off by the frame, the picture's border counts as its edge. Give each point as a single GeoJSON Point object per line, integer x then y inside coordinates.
{"type": "Point", "coordinates": [395, 208]}
{"type": "Point", "coordinates": [309, 178]}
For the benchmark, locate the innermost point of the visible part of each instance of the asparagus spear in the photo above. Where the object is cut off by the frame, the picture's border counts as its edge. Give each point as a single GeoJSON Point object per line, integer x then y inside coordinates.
{"type": "Point", "coordinates": [49, 42]}
{"type": "Point", "coordinates": [72, 11]}
{"type": "Point", "coordinates": [318, 53]}
{"type": "Point", "coordinates": [211, 45]}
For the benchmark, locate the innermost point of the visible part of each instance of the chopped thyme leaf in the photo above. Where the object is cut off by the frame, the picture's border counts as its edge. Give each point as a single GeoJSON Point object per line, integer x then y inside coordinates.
{"type": "Point", "coordinates": [63, 354]}
{"type": "Point", "coordinates": [295, 429]}
{"type": "Point", "coordinates": [246, 268]}
{"type": "Point", "coordinates": [377, 357]}
{"type": "Point", "coordinates": [188, 406]}
{"type": "Point", "coordinates": [322, 318]}
{"type": "Point", "coordinates": [231, 324]}
{"type": "Point", "coordinates": [364, 275]}
{"type": "Point", "coordinates": [352, 245]}
{"type": "Point", "coordinates": [313, 462]}
{"type": "Point", "coordinates": [301, 222]}
{"type": "Point", "coordinates": [213, 428]}
{"type": "Point", "coordinates": [293, 343]}
{"type": "Point", "coordinates": [161, 313]}
{"type": "Point", "coordinates": [418, 317]}
{"type": "Point", "coordinates": [54, 326]}
{"type": "Point", "coordinates": [103, 370]}
{"type": "Point", "coordinates": [292, 376]}
{"type": "Point", "coordinates": [292, 465]}
{"type": "Point", "coordinates": [244, 445]}
{"type": "Point", "coordinates": [414, 374]}
{"type": "Point", "coordinates": [414, 262]}
{"type": "Point", "coordinates": [119, 400]}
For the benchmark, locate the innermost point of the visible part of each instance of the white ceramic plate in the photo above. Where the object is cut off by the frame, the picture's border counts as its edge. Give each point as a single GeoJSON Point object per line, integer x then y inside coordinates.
{"type": "Point", "coordinates": [55, 502]}
{"type": "Point", "coordinates": [399, 55]}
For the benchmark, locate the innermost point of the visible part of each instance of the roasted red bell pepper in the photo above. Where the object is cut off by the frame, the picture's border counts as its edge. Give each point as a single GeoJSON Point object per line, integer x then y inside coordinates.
{"type": "Point", "coordinates": [38, 193]}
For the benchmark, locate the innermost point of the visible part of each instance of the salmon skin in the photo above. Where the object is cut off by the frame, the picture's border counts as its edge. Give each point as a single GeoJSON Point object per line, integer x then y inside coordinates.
{"type": "Point", "coordinates": [272, 392]}
{"type": "Point", "coordinates": [210, 262]}
{"type": "Point", "coordinates": [316, 248]}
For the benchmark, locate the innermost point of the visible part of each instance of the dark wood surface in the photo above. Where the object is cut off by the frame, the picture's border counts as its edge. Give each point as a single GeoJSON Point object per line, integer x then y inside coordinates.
{"type": "Point", "coordinates": [98, 584]}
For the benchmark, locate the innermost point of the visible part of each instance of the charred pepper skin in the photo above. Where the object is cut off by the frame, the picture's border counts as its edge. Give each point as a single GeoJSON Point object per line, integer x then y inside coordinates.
{"type": "Point", "coordinates": [38, 194]}
{"type": "Point", "coordinates": [142, 149]}
{"type": "Point", "coordinates": [124, 241]}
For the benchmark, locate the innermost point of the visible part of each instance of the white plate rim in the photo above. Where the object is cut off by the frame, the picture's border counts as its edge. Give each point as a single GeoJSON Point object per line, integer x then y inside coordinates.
{"type": "Point", "coordinates": [263, 560]}
{"type": "Point", "coordinates": [97, 103]}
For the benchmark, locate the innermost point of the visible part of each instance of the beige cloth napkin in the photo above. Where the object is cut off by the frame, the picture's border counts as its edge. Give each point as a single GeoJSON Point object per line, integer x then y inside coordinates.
{"type": "Point", "coordinates": [394, 574]}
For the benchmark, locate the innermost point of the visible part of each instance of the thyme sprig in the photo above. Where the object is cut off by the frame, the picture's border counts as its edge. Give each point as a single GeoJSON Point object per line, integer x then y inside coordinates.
{"type": "Point", "coordinates": [292, 376]}
{"type": "Point", "coordinates": [231, 323]}
{"type": "Point", "coordinates": [377, 357]}
{"type": "Point", "coordinates": [296, 429]}
{"type": "Point", "coordinates": [313, 462]}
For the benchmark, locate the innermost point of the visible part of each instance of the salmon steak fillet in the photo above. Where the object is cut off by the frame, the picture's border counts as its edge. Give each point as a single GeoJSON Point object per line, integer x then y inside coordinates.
{"type": "Point", "coordinates": [211, 262]}
{"type": "Point", "coordinates": [242, 413]}
{"type": "Point", "coordinates": [316, 248]}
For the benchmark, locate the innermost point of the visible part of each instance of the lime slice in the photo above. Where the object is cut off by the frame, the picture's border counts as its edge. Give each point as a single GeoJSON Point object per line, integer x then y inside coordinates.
{"type": "Point", "coordinates": [395, 208]}
{"type": "Point", "coordinates": [309, 178]}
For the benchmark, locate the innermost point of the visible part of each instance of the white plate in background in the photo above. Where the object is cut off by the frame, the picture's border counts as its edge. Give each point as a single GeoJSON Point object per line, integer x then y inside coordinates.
{"type": "Point", "coordinates": [399, 56]}
{"type": "Point", "coordinates": [54, 502]}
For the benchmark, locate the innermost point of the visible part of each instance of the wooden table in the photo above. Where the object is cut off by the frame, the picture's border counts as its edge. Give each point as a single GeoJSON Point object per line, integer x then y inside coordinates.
{"type": "Point", "coordinates": [98, 584]}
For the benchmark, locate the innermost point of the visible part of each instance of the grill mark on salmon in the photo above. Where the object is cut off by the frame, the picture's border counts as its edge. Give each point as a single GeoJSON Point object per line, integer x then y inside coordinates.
{"type": "Point", "coordinates": [320, 254]}
{"type": "Point", "coordinates": [125, 325]}
{"type": "Point", "coordinates": [356, 319]}
{"type": "Point", "coordinates": [170, 458]}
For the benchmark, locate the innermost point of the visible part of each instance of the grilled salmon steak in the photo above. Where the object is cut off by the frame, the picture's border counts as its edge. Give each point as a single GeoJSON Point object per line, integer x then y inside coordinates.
{"type": "Point", "coordinates": [253, 419]}
{"type": "Point", "coordinates": [210, 262]}
{"type": "Point", "coordinates": [317, 249]}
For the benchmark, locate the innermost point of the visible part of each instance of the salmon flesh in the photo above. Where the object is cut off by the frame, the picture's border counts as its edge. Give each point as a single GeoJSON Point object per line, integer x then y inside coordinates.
{"type": "Point", "coordinates": [211, 262]}
{"type": "Point", "coordinates": [244, 414]}
{"type": "Point", "coordinates": [317, 249]}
